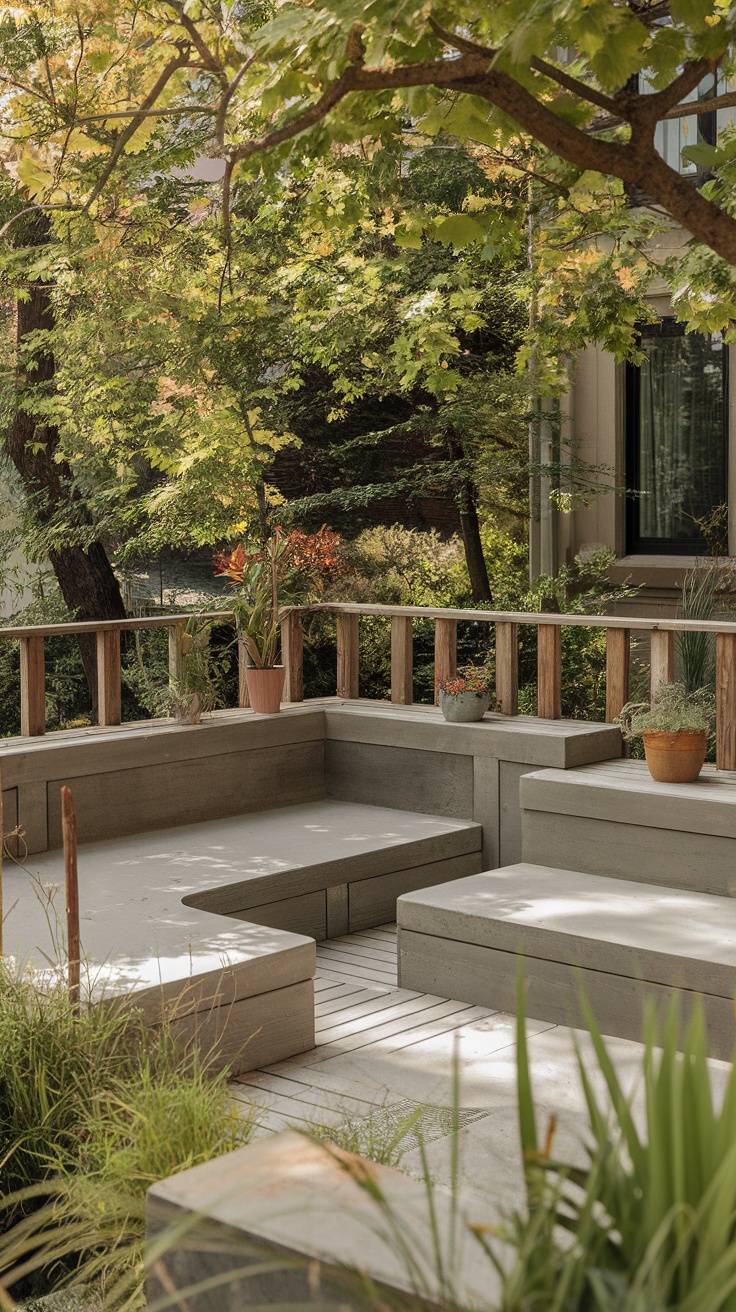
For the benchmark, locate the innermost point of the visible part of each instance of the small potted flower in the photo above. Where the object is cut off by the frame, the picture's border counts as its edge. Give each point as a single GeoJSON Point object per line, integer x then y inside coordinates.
{"type": "Point", "coordinates": [674, 727]}
{"type": "Point", "coordinates": [467, 696]}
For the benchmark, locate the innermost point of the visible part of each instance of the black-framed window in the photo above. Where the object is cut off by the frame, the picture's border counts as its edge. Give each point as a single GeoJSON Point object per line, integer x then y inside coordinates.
{"type": "Point", "coordinates": [676, 438]}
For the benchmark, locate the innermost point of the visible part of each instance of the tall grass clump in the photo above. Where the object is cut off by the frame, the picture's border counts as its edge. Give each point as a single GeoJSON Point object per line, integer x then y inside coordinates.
{"type": "Point", "coordinates": [649, 1224]}
{"type": "Point", "coordinates": [94, 1108]}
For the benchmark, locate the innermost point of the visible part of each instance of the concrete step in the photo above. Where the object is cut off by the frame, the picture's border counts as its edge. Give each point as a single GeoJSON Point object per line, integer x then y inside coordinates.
{"type": "Point", "coordinates": [613, 819]}
{"type": "Point", "coordinates": [625, 941]}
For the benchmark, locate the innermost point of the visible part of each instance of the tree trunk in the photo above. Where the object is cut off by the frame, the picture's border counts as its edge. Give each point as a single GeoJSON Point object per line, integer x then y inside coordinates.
{"type": "Point", "coordinates": [85, 576]}
{"type": "Point", "coordinates": [470, 528]}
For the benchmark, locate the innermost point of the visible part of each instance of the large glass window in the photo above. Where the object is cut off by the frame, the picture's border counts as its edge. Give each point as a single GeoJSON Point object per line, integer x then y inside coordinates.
{"type": "Point", "coordinates": [676, 438]}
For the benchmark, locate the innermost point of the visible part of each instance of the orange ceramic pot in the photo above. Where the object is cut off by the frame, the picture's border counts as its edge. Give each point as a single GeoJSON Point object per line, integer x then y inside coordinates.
{"type": "Point", "coordinates": [265, 688]}
{"type": "Point", "coordinates": [675, 758]}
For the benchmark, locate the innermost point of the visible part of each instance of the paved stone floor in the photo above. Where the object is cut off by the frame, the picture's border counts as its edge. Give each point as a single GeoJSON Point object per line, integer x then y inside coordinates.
{"type": "Point", "coordinates": [379, 1046]}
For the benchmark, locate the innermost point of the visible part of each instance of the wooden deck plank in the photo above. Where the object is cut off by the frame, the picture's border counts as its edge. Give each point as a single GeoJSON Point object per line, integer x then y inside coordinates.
{"type": "Point", "coordinates": [353, 999]}
{"type": "Point", "coordinates": [372, 971]}
{"type": "Point", "coordinates": [351, 1041]}
{"type": "Point", "coordinates": [342, 949]}
{"type": "Point", "coordinates": [346, 973]}
{"type": "Point", "coordinates": [272, 1087]}
{"type": "Point", "coordinates": [367, 1000]}
{"type": "Point", "coordinates": [344, 1027]}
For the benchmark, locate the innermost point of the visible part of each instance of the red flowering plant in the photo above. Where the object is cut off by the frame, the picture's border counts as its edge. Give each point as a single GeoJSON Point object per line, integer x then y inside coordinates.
{"type": "Point", "coordinates": [286, 569]}
{"type": "Point", "coordinates": [469, 678]}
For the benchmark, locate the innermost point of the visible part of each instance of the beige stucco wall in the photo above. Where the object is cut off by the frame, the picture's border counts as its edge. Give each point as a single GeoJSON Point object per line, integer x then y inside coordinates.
{"type": "Point", "coordinates": [595, 425]}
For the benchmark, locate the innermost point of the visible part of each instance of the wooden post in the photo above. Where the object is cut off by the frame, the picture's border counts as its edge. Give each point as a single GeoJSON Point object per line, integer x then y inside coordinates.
{"type": "Point", "coordinates": [243, 694]}
{"type": "Point", "coordinates": [726, 701]}
{"type": "Point", "coordinates": [292, 655]}
{"type": "Point", "coordinates": [402, 661]}
{"type": "Point", "coordinates": [74, 949]}
{"type": "Point", "coordinates": [108, 676]}
{"type": "Point", "coordinates": [348, 639]}
{"type": "Point", "coordinates": [2, 848]}
{"type": "Point", "coordinates": [32, 688]}
{"type": "Point", "coordinates": [617, 672]}
{"type": "Point", "coordinates": [549, 672]}
{"type": "Point", "coordinates": [507, 668]}
{"type": "Point", "coordinates": [176, 652]}
{"type": "Point", "coordinates": [662, 662]}
{"type": "Point", "coordinates": [445, 653]}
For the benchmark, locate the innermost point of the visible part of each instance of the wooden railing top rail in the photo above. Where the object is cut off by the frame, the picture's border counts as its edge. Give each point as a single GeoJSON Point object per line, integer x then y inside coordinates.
{"type": "Point", "coordinates": [75, 627]}
{"type": "Point", "coordinates": [519, 617]}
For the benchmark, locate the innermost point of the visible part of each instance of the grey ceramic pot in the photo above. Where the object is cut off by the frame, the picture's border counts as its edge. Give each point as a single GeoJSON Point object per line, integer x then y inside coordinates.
{"type": "Point", "coordinates": [464, 707]}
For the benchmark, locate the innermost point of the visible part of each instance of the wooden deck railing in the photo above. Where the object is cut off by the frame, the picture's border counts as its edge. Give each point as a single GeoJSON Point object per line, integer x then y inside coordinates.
{"type": "Point", "coordinates": [618, 629]}
{"type": "Point", "coordinates": [661, 634]}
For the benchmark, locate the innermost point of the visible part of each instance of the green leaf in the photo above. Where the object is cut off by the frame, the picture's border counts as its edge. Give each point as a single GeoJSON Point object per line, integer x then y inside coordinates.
{"type": "Point", "coordinates": [458, 231]}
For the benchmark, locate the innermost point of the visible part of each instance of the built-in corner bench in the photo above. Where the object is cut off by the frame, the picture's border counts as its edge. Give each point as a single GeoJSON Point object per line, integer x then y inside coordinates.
{"type": "Point", "coordinates": [216, 922]}
{"type": "Point", "coordinates": [625, 942]}
{"type": "Point", "coordinates": [626, 885]}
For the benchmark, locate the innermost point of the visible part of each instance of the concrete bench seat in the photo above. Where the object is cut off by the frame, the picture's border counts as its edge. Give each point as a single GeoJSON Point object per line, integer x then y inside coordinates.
{"type": "Point", "coordinates": [613, 819]}
{"type": "Point", "coordinates": [625, 941]}
{"type": "Point", "coordinates": [204, 920]}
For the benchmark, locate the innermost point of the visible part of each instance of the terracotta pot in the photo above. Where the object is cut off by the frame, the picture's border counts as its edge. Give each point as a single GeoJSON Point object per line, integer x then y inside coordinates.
{"type": "Point", "coordinates": [265, 688]}
{"type": "Point", "coordinates": [464, 707]}
{"type": "Point", "coordinates": [675, 758]}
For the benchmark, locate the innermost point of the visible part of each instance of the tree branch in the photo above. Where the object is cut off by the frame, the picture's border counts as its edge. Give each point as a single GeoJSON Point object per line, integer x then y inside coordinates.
{"type": "Point", "coordinates": [443, 73]}
{"type": "Point", "coordinates": [658, 102]}
{"type": "Point", "coordinates": [181, 60]}
{"type": "Point", "coordinates": [146, 113]}
{"type": "Point", "coordinates": [33, 209]}
{"type": "Point", "coordinates": [199, 43]}
{"type": "Point", "coordinates": [225, 99]}
{"type": "Point", "coordinates": [635, 161]}
{"type": "Point", "coordinates": [573, 84]}
{"type": "Point", "coordinates": [565, 80]}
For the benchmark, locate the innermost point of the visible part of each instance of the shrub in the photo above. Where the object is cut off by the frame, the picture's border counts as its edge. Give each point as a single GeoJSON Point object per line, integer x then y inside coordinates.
{"type": "Point", "coordinates": [94, 1108]}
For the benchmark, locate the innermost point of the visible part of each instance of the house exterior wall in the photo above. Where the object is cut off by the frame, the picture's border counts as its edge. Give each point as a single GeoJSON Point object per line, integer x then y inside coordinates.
{"type": "Point", "coordinates": [594, 420]}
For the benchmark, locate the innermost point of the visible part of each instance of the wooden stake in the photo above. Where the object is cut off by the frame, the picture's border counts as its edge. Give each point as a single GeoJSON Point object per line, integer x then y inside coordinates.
{"type": "Point", "coordinates": [69, 834]}
{"type": "Point", "coordinates": [2, 844]}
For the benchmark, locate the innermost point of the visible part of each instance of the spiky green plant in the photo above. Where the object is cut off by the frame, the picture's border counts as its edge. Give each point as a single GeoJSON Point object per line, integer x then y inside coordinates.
{"type": "Point", "coordinates": [650, 1223]}
{"type": "Point", "coordinates": [696, 651]}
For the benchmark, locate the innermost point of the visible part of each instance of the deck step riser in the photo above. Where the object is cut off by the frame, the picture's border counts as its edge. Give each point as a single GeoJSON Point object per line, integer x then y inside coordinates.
{"type": "Point", "coordinates": [487, 977]}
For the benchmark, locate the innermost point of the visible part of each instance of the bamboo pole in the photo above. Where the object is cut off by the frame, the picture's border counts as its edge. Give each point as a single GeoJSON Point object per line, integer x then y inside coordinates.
{"type": "Point", "coordinates": [69, 834]}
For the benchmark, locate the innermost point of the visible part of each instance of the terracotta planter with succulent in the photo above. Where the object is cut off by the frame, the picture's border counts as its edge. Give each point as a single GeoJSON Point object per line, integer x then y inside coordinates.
{"type": "Point", "coordinates": [466, 697]}
{"type": "Point", "coordinates": [674, 727]}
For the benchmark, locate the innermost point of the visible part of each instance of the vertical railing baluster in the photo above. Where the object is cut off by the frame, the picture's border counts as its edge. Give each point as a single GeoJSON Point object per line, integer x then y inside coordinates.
{"type": "Point", "coordinates": [243, 694]}
{"type": "Point", "coordinates": [32, 687]}
{"type": "Point", "coordinates": [109, 710]}
{"type": "Point", "coordinates": [402, 660]}
{"type": "Point", "coordinates": [549, 672]}
{"type": "Point", "coordinates": [726, 701]}
{"type": "Point", "coordinates": [292, 656]}
{"type": "Point", "coordinates": [662, 659]}
{"type": "Point", "coordinates": [507, 668]}
{"type": "Point", "coordinates": [445, 653]}
{"type": "Point", "coordinates": [617, 672]}
{"type": "Point", "coordinates": [348, 655]}
{"type": "Point", "coordinates": [176, 652]}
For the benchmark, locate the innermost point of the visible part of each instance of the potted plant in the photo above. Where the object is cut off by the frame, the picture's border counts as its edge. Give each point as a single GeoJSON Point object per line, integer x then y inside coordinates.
{"type": "Point", "coordinates": [674, 727]}
{"type": "Point", "coordinates": [192, 692]}
{"type": "Point", "coordinates": [257, 576]}
{"type": "Point", "coordinates": [467, 696]}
